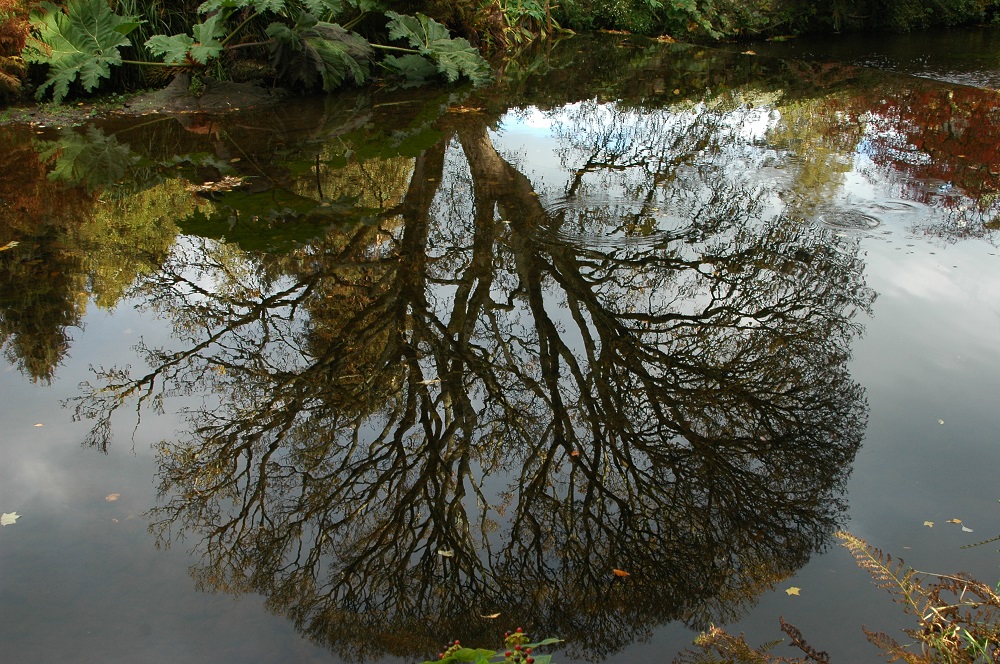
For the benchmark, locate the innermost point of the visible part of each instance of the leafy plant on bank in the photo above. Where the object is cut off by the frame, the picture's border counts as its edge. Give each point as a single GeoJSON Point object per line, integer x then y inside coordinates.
{"type": "Point", "coordinates": [517, 650]}
{"type": "Point", "coordinates": [957, 616]}
{"type": "Point", "coordinates": [14, 28]}
{"type": "Point", "coordinates": [82, 41]}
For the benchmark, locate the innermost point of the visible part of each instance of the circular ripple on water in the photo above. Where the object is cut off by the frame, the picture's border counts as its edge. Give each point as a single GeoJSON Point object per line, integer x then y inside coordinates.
{"type": "Point", "coordinates": [849, 220]}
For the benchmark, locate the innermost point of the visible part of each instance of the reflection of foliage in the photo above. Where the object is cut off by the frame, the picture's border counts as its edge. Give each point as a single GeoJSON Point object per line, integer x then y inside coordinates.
{"type": "Point", "coordinates": [541, 410]}
{"type": "Point", "coordinates": [131, 236]}
{"type": "Point", "coordinates": [94, 159]}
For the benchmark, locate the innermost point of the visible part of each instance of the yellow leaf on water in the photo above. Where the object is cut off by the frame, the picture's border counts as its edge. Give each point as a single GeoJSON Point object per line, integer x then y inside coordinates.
{"type": "Point", "coordinates": [112, 497]}
{"type": "Point", "coordinates": [8, 518]}
{"type": "Point", "coordinates": [929, 524]}
{"type": "Point", "coordinates": [447, 553]}
{"type": "Point", "coordinates": [39, 425]}
{"type": "Point", "coordinates": [954, 521]}
{"type": "Point", "coordinates": [792, 591]}
{"type": "Point", "coordinates": [9, 245]}
{"type": "Point", "coordinates": [491, 616]}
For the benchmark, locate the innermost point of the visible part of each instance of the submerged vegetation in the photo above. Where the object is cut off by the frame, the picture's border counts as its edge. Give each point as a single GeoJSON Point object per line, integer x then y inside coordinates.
{"type": "Point", "coordinates": [81, 45]}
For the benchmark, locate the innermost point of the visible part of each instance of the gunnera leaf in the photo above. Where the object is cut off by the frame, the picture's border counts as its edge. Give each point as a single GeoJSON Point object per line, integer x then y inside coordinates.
{"type": "Point", "coordinates": [314, 53]}
{"type": "Point", "coordinates": [185, 50]}
{"type": "Point", "coordinates": [259, 6]}
{"type": "Point", "coordinates": [80, 42]}
{"type": "Point", "coordinates": [453, 57]}
{"type": "Point", "coordinates": [413, 67]}
{"type": "Point", "coordinates": [323, 8]}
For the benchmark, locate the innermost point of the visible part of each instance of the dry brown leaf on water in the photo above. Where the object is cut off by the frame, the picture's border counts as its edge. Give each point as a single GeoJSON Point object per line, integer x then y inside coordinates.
{"type": "Point", "coordinates": [620, 572]}
{"type": "Point", "coordinates": [112, 497]}
{"type": "Point", "coordinates": [954, 521]}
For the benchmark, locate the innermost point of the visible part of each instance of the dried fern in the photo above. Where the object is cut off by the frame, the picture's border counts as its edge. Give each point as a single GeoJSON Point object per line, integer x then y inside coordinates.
{"type": "Point", "coordinates": [716, 646]}
{"type": "Point", "coordinates": [958, 616]}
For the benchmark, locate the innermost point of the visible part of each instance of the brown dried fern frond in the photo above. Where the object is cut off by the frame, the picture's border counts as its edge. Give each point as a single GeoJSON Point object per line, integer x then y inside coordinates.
{"type": "Point", "coordinates": [902, 581]}
{"type": "Point", "coordinates": [813, 655]}
{"type": "Point", "coordinates": [895, 652]}
{"type": "Point", "coordinates": [717, 646]}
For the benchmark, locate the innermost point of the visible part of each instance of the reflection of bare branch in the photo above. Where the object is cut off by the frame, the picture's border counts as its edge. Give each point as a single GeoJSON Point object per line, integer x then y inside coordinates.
{"type": "Point", "coordinates": [411, 433]}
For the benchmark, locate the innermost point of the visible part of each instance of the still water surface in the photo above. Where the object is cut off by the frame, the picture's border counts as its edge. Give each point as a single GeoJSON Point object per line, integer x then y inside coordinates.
{"type": "Point", "coordinates": [342, 380]}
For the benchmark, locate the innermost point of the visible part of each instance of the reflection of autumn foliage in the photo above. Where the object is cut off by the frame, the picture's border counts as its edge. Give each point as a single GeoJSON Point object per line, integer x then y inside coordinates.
{"type": "Point", "coordinates": [41, 277]}
{"type": "Point", "coordinates": [27, 196]}
{"type": "Point", "coordinates": [936, 135]}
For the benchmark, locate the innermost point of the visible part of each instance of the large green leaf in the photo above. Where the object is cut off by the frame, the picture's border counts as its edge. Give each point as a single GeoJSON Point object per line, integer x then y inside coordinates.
{"type": "Point", "coordinates": [452, 57]}
{"type": "Point", "coordinates": [323, 8]}
{"type": "Point", "coordinates": [184, 50]}
{"type": "Point", "coordinates": [80, 42]}
{"type": "Point", "coordinates": [313, 52]}
{"type": "Point", "coordinates": [259, 6]}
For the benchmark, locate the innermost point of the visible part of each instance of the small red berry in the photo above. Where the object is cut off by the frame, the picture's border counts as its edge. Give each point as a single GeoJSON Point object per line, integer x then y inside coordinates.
{"type": "Point", "coordinates": [530, 660]}
{"type": "Point", "coordinates": [527, 650]}
{"type": "Point", "coordinates": [457, 642]}
{"type": "Point", "coordinates": [519, 630]}
{"type": "Point", "coordinates": [507, 654]}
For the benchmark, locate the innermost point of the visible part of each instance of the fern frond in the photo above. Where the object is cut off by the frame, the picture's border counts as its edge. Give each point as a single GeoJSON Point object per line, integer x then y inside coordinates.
{"type": "Point", "coordinates": [985, 541]}
{"type": "Point", "coordinates": [813, 655]}
{"type": "Point", "coordinates": [902, 581]}
{"type": "Point", "coordinates": [893, 650]}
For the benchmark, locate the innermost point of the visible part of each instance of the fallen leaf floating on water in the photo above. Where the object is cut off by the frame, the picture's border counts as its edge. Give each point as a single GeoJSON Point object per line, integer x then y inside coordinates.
{"type": "Point", "coordinates": [620, 572]}
{"type": "Point", "coordinates": [954, 521]}
{"type": "Point", "coordinates": [9, 245]}
{"type": "Point", "coordinates": [966, 529]}
{"type": "Point", "coordinates": [447, 553]}
{"type": "Point", "coordinates": [929, 524]}
{"type": "Point", "coordinates": [492, 616]}
{"type": "Point", "coordinates": [940, 421]}
{"type": "Point", "coordinates": [112, 497]}
{"type": "Point", "coordinates": [7, 518]}
{"type": "Point", "coordinates": [39, 425]}
{"type": "Point", "coordinates": [793, 591]}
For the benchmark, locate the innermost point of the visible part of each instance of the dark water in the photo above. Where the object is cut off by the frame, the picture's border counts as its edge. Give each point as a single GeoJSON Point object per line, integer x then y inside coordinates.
{"type": "Point", "coordinates": [343, 380]}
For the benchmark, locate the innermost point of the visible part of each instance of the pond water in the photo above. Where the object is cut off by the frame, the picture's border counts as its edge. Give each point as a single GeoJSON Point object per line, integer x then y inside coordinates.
{"type": "Point", "coordinates": [610, 352]}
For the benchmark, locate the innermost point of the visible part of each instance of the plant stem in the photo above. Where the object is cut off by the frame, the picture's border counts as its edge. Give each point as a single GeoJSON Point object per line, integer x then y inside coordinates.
{"type": "Point", "coordinates": [146, 63]}
{"type": "Point", "coordinates": [238, 28]}
{"type": "Point", "coordinates": [400, 49]}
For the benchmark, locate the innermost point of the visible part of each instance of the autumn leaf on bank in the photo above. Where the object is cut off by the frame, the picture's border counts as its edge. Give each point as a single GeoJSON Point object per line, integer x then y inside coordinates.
{"type": "Point", "coordinates": [8, 518]}
{"type": "Point", "coordinates": [793, 591]}
{"type": "Point", "coordinates": [620, 573]}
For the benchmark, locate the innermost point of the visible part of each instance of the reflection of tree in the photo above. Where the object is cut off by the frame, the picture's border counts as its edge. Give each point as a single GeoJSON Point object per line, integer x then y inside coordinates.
{"type": "Point", "coordinates": [465, 408]}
